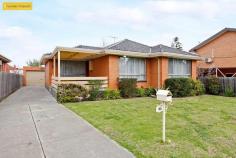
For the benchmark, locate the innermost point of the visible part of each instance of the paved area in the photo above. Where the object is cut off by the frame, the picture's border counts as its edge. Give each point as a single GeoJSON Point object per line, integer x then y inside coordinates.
{"type": "Point", "coordinates": [33, 125]}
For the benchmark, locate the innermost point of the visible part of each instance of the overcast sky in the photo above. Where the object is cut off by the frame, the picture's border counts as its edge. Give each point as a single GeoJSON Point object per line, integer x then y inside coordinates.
{"type": "Point", "coordinates": [29, 34]}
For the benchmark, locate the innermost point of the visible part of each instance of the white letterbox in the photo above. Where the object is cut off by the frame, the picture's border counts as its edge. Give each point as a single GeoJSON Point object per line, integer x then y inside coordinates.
{"type": "Point", "coordinates": [164, 95]}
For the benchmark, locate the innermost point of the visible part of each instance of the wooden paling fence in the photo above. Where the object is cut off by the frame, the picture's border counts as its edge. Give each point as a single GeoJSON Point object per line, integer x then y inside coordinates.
{"type": "Point", "coordinates": [225, 82]}
{"type": "Point", "coordinates": [9, 82]}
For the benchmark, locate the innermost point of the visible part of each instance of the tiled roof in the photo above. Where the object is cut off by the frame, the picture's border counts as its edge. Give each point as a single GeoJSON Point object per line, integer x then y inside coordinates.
{"type": "Point", "coordinates": [132, 46]}
{"type": "Point", "coordinates": [163, 48]}
{"type": "Point", "coordinates": [88, 47]}
{"type": "Point", "coordinates": [128, 45]}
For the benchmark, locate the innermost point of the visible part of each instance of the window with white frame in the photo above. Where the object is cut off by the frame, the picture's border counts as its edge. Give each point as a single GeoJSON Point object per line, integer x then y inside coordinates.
{"type": "Point", "coordinates": [179, 68]}
{"type": "Point", "coordinates": [133, 68]}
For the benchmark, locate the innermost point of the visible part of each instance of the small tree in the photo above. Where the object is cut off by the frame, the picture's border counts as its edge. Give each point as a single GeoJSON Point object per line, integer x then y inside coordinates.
{"type": "Point", "coordinates": [33, 62]}
{"type": "Point", "coordinates": [176, 43]}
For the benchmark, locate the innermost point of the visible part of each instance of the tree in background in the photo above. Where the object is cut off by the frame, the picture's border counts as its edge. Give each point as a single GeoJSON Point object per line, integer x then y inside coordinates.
{"type": "Point", "coordinates": [176, 43]}
{"type": "Point", "coordinates": [33, 62]}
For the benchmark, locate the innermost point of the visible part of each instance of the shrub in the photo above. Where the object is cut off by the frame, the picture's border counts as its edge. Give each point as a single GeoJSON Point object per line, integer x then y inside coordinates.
{"type": "Point", "coordinates": [150, 91]}
{"type": "Point", "coordinates": [213, 85]}
{"type": "Point", "coordinates": [127, 87]}
{"type": "Point", "coordinates": [229, 92]}
{"type": "Point", "coordinates": [140, 92]}
{"type": "Point", "coordinates": [71, 93]}
{"type": "Point", "coordinates": [95, 90]}
{"type": "Point", "coordinates": [182, 87]}
{"type": "Point", "coordinates": [199, 88]}
{"type": "Point", "coordinates": [111, 94]}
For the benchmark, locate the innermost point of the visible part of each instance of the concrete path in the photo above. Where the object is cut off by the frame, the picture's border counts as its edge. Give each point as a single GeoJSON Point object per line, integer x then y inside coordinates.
{"type": "Point", "coordinates": [33, 125]}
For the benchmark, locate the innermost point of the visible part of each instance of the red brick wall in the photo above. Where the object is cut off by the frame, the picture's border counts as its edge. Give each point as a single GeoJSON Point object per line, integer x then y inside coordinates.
{"type": "Point", "coordinates": [5, 67]}
{"type": "Point", "coordinates": [163, 70]}
{"type": "Point", "coordinates": [194, 69]}
{"type": "Point", "coordinates": [153, 70]}
{"type": "Point", "coordinates": [100, 67]}
{"type": "Point", "coordinates": [48, 72]}
{"type": "Point", "coordinates": [224, 50]}
{"type": "Point", "coordinates": [106, 66]}
{"type": "Point", "coordinates": [113, 72]}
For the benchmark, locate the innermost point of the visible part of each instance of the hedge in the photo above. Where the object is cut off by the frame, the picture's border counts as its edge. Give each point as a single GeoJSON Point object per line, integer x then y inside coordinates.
{"type": "Point", "coordinates": [127, 87]}
{"type": "Point", "coordinates": [213, 85]}
{"type": "Point", "coordinates": [183, 87]}
{"type": "Point", "coordinates": [71, 93]}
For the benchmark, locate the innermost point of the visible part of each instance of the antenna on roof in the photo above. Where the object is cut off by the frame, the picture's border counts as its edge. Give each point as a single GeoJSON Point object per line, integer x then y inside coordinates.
{"type": "Point", "coordinates": [114, 38]}
{"type": "Point", "coordinates": [103, 42]}
{"type": "Point", "coordinates": [161, 48]}
{"type": "Point", "coordinates": [106, 42]}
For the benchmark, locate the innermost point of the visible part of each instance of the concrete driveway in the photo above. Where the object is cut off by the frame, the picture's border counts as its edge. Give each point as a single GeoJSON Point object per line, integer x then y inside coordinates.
{"type": "Point", "coordinates": [33, 125]}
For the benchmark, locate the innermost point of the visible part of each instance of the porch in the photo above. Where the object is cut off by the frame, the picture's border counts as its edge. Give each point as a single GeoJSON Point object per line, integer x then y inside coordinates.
{"type": "Point", "coordinates": [73, 67]}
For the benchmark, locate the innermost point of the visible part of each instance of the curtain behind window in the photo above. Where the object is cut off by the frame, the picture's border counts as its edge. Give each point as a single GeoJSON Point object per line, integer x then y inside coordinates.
{"type": "Point", "coordinates": [133, 68]}
{"type": "Point", "coordinates": [73, 68]}
{"type": "Point", "coordinates": [179, 68]}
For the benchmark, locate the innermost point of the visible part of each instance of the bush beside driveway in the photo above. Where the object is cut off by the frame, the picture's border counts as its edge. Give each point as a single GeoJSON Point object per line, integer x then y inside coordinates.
{"type": "Point", "coordinates": [202, 126]}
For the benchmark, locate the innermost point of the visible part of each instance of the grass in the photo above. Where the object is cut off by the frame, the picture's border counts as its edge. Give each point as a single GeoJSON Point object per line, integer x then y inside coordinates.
{"type": "Point", "coordinates": [202, 126]}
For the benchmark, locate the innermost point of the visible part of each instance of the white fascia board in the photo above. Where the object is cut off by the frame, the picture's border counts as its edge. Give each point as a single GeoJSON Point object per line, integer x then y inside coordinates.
{"type": "Point", "coordinates": [126, 53]}
{"type": "Point", "coordinates": [175, 55]}
{"type": "Point", "coordinates": [151, 55]}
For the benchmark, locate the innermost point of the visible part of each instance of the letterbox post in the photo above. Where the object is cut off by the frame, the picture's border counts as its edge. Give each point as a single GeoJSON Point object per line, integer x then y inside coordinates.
{"type": "Point", "coordinates": [164, 123]}
{"type": "Point", "coordinates": [165, 96]}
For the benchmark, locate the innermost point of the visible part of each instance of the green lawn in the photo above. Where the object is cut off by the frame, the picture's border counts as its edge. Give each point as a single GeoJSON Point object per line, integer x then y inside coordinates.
{"type": "Point", "coordinates": [202, 126]}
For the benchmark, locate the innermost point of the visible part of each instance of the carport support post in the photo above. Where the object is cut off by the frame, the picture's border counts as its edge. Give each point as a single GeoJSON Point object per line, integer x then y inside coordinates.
{"type": "Point", "coordinates": [54, 66]}
{"type": "Point", "coordinates": [59, 65]}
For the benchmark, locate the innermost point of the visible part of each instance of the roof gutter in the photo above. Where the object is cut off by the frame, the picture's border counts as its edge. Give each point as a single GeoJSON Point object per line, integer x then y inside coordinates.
{"type": "Point", "coordinates": [152, 55]}
{"type": "Point", "coordinates": [175, 55]}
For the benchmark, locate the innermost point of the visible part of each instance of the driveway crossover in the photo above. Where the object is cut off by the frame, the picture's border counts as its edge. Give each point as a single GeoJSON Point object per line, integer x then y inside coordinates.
{"type": "Point", "coordinates": [34, 125]}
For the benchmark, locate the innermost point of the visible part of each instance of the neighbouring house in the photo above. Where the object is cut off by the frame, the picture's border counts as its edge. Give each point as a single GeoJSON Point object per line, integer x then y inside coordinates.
{"type": "Point", "coordinates": [4, 67]}
{"type": "Point", "coordinates": [151, 66]}
{"type": "Point", "coordinates": [218, 54]}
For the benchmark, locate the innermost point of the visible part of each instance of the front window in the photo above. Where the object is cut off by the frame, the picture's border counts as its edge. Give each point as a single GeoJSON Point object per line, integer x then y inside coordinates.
{"type": "Point", "coordinates": [179, 68]}
{"type": "Point", "coordinates": [73, 68]}
{"type": "Point", "coordinates": [133, 68]}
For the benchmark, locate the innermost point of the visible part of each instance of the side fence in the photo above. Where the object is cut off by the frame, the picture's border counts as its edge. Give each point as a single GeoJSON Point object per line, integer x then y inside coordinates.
{"type": "Point", "coordinates": [9, 82]}
{"type": "Point", "coordinates": [225, 82]}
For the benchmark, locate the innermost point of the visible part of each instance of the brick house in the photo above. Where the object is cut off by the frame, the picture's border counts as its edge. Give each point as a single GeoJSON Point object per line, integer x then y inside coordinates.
{"type": "Point", "coordinates": [218, 54]}
{"type": "Point", "coordinates": [124, 59]}
{"type": "Point", "coordinates": [4, 67]}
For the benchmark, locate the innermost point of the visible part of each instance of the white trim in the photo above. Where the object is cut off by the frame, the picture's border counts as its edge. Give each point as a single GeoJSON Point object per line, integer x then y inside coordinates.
{"type": "Point", "coordinates": [59, 65]}
{"type": "Point", "coordinates": [54, 66]}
